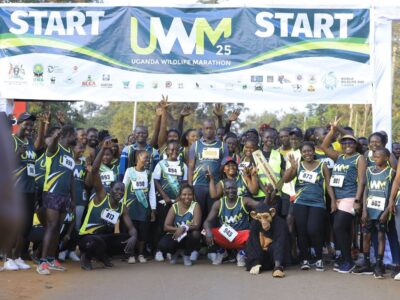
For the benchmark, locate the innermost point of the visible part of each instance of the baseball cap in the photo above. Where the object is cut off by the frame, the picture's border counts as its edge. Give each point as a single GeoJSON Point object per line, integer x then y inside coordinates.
{"type": "Point", "coordinates": [227, 160]}
{"type": "Point", "coordinates": [25, 116]}
{"type": "Point", "coordinates": [296, 131]}
{"type": "Point", "coordinates": [348, 137]}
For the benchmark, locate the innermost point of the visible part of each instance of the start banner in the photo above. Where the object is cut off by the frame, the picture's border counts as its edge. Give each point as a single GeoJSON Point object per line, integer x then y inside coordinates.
{"type": "Point", "coordinates": [107, 53]}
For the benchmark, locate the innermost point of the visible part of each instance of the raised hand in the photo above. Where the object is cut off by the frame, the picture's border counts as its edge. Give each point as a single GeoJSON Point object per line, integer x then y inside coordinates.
{"type": "Point", "coordinates": [60, 117]}
{"type": "Point", "coordinates": [186, 111]}
{"type": "Point", "coordinates": [234, 115]}
{"type": "Point", "coordinates": [335, 123]}
{"type": "Point", "coordinates": [218, 110]}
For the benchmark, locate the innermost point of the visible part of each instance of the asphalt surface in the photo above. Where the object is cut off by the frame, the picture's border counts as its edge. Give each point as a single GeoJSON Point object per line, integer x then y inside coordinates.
{"type": "Point", "coordinates": [155, 280]}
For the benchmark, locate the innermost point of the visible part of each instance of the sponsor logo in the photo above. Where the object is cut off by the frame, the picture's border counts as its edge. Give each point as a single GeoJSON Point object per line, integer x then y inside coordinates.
{"type": "Point", "coordinates": [270, 79]}
{"type": "Point", "coordinates": [297, 88]}
{"type": "Point", "coordinates": [139, 85]}
{"type": "Point", "coordinates": [257, 78]}
{"type": "Point", "coordinates": [229, 86]}
{"type": "Point", "coordinates": [312, 79]}
{"type": "Point", "coordinates": [16, 72]}
{"type": "Point", "coordinates": [168, 84]}
{"type": "Point", "coordinates": [180, 85]}
{"type": "Point", "coordinates": [106, 77]}
{"type": "Point", "coordinates": [53, 80]}
{"type": "Point", "coordinates": [105, 81]}
{"type": "Point", "coordinates": [69, 80]}
{"type": "Point", "coordinates": [282, 79]}
{"type": "Point", "coordinates": [330, 81]}
{"type": "Point", "coordinates": [125, 84]}
{"type": "Point", "coordinates": [212, 86]}
{"type": "Point", "coordinates": [311, 88]}
{"type": "Point", "coordinates": [299, 77]}
{"type": "Point", "coordinates": [89, 82]}
{"type": "Point", "coordinates": [258, 87]}
{"type": "Point", "coordinates": [75, 69]}
{"type": "Point", "coordinates": [197, 85]}
{"type": "Point", "coordinates": [154, 85]}
{"type": "Point", "coordinates": [53, 69]}
{"type": "Point", "coordinates": [244, 86]}
{"type": "Point", "coordinates": [38, 71]}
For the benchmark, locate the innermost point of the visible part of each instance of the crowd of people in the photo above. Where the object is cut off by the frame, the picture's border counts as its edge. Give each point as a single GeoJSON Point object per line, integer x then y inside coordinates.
{"type": "Point", "coordinates": [266, 198]}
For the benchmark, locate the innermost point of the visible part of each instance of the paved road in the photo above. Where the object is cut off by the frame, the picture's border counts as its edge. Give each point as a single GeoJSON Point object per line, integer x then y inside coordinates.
{"type": "Point", "coordinates": [202, 281]}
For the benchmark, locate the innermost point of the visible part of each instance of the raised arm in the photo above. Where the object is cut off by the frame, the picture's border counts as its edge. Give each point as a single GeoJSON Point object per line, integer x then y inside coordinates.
{"type": "Point", "coordinates": [96, 180]}
{"type": "Point", "coordinates": [163, 108]}
{"type": "Point", "coordinates": [219, 113]}
{"type": "Point", "coordinates": [251, 179]}
{"type": "Point", "coordinates": [328, 140]}
{"type": "Point", "coordinates": [53, 143]}
{"type": "Point", "coordinates": [232, 118]}
{"type": "Point", "coordinates": [44, 120]}
{"type": "Point", "coordinates": [291, 173]}
{"type": "Point", "coordinates": [186, 111]}
{"type": "Point", "coordinates": [212, 215]}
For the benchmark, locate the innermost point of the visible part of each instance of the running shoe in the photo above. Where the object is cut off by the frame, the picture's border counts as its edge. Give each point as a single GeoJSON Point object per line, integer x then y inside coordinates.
{"type": "Point", "coordinates": [319, 266]}
{"type": "Point", "coordinates": [21, 264]}
{"type": "Point", "coordinates": [221, 254]}
{"type": "Point", "coordinates": [85, 263]}
{"type": "Point", "coordinates": [131, 260]}
{"type": "Point", "coordinates": [212, 256]}
{"type": "Point", "coordinates": [107, 262]}
{"type": "Point", "coordinates": [241, 259]}
{"type": "Point", "coordinates": [43, 268]}
{"type": "Point", "coordinates": [187, 261]}
{"type": "Point", "coordinates": [142, 259]}
{"type": "Point", "coordinates": [378, 271]}
{"type": "Point", "coordinates": [364, 269]}
{"type": "Point", "coordinates": [360, 260]}
{"type": "Point", "coordinates": [73, 256]}
{"type": "Point", "coordinates": [194, 256]}
{"type": "Point", "coordinates": [159, 256]}
{"type": "Point", "coordinates": [346, 268]}
{"type": "Point", "coordinates": [56, 265]}
{"type": "Point", "coordinates": [173, 259]}
{"type": "Point", "coordinates": [395, 271]}
{"type": "Point", "coordinates": [62, 256]}
{"type": "Point", "coordinates": [305, 265]}
{"type": "Point", "coordinates": [10, 265]}
{"type": "Point", "coordinates": [397, 277]}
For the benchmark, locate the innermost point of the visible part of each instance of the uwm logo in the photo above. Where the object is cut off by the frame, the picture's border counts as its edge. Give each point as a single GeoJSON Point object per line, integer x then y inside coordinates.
{"type": "Point", "coordinates": [341, 168]}
{"type": "Point", "coordinates": [28, 155]}
{"type": "Point", "coordinates": [79, 174]}
{"type": "Point", "coordinates": [232, 219]}
{"type": "Point", "coordinates": [377, 185]}
{"type": "Point", "coordinates": [194, 42]}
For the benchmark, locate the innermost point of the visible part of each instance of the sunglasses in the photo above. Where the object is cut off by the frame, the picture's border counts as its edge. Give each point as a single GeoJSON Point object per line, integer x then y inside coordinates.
{"type": "Point", "coordinates": [348, 142]}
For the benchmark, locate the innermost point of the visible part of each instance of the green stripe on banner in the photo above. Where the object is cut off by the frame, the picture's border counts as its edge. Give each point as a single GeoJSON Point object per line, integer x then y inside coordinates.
{"type": "Point", "coordinates": [359, 45]}
{"type": "Point", "coordinates": [11, 41]}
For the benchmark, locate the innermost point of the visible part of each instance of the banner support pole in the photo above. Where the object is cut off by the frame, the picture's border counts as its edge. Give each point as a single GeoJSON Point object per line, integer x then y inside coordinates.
{"type": "Point", "coordinates": [134, 115]}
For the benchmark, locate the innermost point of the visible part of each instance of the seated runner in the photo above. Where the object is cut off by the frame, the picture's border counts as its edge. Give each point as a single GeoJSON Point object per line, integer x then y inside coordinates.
{"type": "Point", "coordinates": [97, 237]}
{"type": "Point", "coordinates": [233, 224]}
{"type": "Point", "coordinates": [182, 225]}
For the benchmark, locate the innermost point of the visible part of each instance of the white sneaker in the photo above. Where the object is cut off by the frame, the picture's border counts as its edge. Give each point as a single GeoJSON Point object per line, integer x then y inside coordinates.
{"type": "Point", "coordinates": [187, 261]}
{"type": "Point", "coordinates": [194, 256]}
{"type": "Point", "coordinates": [73, 256]}
{"type": "Point", "coordinates": [169, 256]}
{"type": "Point", "coordinates": [142, 259]}
{"type": "Point", "coordinates": [21, 264]}
{"type": "Point", "coordinates": [131, 260]}
{"type": "Point", "coordinates": [212, 256]}
{"type": "Point", "coordinates": [220, 257]}
{"type": "Point", "coordinates": [397, 277]}
{"type": "Point", "coordinates": [241, 259]}
{"type": "Point", "coordinates": [173, 259]}
{"type": "Point", "coordinates": [159, 256]}
{"type": "Point", "coordinates": [10, 265]}
{"type": "Point", "coordinates": [62, 255]}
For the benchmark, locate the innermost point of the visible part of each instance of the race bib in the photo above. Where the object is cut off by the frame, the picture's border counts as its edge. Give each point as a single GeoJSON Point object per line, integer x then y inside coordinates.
{"type": "Point", "coordinates": [210, 153]}
{"type": "Point", "coordinates": [228, 232]}
{"type": "Point", "coordinates": [181, 237]}
{"type": "Point", "coordinates": [306, 176]}
{"type": "Point", "coordinates": [336, 181]}
{"type": "Point", "coordinates": [30, 168]}
{"type": "Point", "coordinates": [110, 216]}
{"type": "Point", "coordinates": [377, 203]}
{"type": "Point", "coordinates": [244, 165]}
{"type": "Point", "coordinates": [107, 176]}
{"type": "Point", "coordinates": [172, 170]}
{"type": "Point", "coordinates": [68, 162]}
{"type": "Point", "coordinates": [139, 184]}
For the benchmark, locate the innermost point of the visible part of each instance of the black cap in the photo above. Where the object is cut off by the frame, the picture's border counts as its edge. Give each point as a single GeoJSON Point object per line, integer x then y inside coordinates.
{"type": "Point", "coordinates": [296, 131]}
{"type": "Point", "coordinates": [252, 130]}
{"type": "Point", "coordinates": [25, 116]}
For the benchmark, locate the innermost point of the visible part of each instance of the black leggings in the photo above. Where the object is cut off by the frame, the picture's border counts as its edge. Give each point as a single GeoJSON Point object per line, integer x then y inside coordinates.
{"type": "Point", "coordinates": [102, 246]}
{"type": "Point", "coordinates": [202, 194]}
{"type": "Point", "coordinates": [342, 228]}
{"type": "Point", "coordinates": [190, 243]}
{"type": "Point", "coordinates": [310, 224]}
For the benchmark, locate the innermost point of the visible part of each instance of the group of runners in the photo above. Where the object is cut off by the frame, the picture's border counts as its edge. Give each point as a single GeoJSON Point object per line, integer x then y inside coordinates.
{"type": "Point", "coordinates": [182, 193]}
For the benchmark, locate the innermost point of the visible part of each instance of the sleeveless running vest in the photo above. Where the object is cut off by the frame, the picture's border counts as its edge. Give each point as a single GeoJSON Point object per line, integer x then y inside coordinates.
{"type": "Point", "coordinates": [59, 171]}
{"type": "Point", "coordinates": [108, 175]}
{"type": "Point", "coordinates": [346, 168]}
{"type": "Point", "coordinates": [379, 184]}
{"type": "Point", "coordinates": [40, 171]}
{"type": "Point", "coordinates": [186, 218]}
{"type": "Point", "coordinates": [207, 155]}
{"type": "Point", "coordinates": [311, 194]}
{"type": "Point", "coordinates": [25, 171]}
{"type": "Point", "coordinates": [237, 216]}
{"type": "Point", "coordinates": [79, 182]}
{"type": "Point", "coordinates": [241, 186]}
{"type": "Point", "coordinates": [171, 177]}
{"type": "Point", "coordinates": [136, 196]}
{"type": "Point", "coordinates": [94, 223]}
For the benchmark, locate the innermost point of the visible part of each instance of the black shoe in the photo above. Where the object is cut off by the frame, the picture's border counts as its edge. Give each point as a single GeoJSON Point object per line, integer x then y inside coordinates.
{"type": "Point", "coordinates": [395, 271]}
{"type": "Point", "coordinates": [107, 262]}
{"type": "Point", "coordinates": [378, 271]}
{"type": "Point", "coordinates": [85, 263]}
{"type": "Point", "coordinates": [365, 269]}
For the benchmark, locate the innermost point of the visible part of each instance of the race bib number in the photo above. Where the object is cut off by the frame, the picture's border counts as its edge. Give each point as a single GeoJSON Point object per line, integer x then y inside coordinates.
{"type": "Point", "coordinates": [176, 171]}
{"type": "Point", "coordinates": [210, 153]}
{"type": "Point", "coordinates": [336, 181]}
{"type": "Point", "coordinates": [244, 165]}
{"type": "Point", "coordinates": [377, 203]}
{"type": "Point", "coordinates": [310, 177]}
{"type": "Point", "coordinates": [107, 176]}
{"type": "Point", "coordinates": [228, 232]}
{"type": "Point", "coordinates": [110, 216]}
{"type": "Point", "coordinates": [30, 168]}
{"type": "Point", "coordinates": [139, 185]}
{"type": "Point", "coordinates": [68, 162]}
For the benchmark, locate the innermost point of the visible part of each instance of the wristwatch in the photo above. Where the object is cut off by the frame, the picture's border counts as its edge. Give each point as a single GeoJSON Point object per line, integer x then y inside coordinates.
{"type": "Point", "coordinates": [356, 201]}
